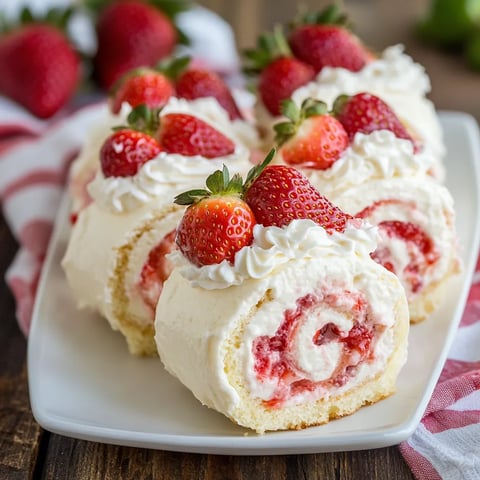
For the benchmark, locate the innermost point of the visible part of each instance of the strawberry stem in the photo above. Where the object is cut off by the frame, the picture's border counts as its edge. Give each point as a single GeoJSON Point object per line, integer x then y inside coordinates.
{"type": "Point", "coordinates": [219, 183]}
{"type": "Point", "coordinates": [309, 108]}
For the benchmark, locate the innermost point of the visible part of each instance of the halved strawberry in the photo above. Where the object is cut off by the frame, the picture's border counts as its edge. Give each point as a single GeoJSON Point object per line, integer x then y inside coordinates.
{"type": "Point", "coordinates": [189, 135]}
{"type": "Point", "coordinates": [367, 113]}
{"type": "Point", "coordinates": [279, 72]}
{"type": "Point", "coordinates": [217, 223]}
{"type": "Point", "coordinates": [278, 194]}
{"type": "Point", "coordinates": [142, 86]}
{"type": "Point", "coordinates": [323, 39]}
{"type": "Point", "coordinates": [312, 137]}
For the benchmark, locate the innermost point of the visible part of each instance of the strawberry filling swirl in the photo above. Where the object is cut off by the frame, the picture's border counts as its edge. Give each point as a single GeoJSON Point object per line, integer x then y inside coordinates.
{"type": "Point", "coordinates": [405, 248]}
{"type": "Point", "coordinates": [318, 347]}
{"type": "Point", "coordinates": [155, 271]}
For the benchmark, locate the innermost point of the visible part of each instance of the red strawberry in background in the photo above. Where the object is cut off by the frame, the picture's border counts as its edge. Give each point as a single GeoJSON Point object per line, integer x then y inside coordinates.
{"type": "Point", "coordinates": [199, 83]}
{"type": "Point", "coordinates": [189, 135]}
{"type": "Point", "coordinates": [278, 194]}
{"type": "Point", "coordinates": [141, 86]}
{"type": "Point", "coordinates": [131, 33]}
{"type": "Point", "coordinates": [217, 223]}
{"type": "Point", "coordinates": [279, 72]}
{"type": "Point", "coordinates": [324, 40]}
{"type": "Point", "coordinates": [366, 113]}
{"type": "Point", "coordinates": [39, 67]}
{"type": "Point", "coordinates": [311, 137]}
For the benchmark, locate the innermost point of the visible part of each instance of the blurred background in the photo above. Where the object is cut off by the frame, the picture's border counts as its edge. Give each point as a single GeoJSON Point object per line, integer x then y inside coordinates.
{"type": "Point", "coordinates": [379, 23]}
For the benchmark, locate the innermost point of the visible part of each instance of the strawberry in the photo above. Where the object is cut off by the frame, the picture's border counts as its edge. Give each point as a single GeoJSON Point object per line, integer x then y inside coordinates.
{"type": "Point", "coordinates": [199, 82]}
{"type": "Point", "coordinates": [217, 222]}
{"type": "Point", "coordinates": [39, 68]}
{"type": "Point", "coordinates": [366, 113]}
{"type": "Point", "coordinates": [131, 33]}
{"type": "Point", "coordinates": [311, 138]}
{"type": "Point", "coordinates": [189, 135]}
{"type": "Point", "coordinates": [278, 194]}
{"type": "Point", "coordinates": [279, 73]}
{"type": "Point", "coordinates": [323, 40]}
{"type": "Point", "coordinates": [142, 86]}
{"type": "Point", "coordinates": [125, 151]}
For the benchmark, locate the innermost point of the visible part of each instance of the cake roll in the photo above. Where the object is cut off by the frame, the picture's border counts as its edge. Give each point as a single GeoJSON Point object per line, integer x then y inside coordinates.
{"type": "Point", "coordinates": [418, 239]}
{"type": "Point", "coordinates": [302, 328]}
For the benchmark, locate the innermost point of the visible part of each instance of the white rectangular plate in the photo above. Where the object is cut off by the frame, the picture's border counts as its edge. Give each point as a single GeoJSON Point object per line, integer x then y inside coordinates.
{"type": "Point", "coordinates": [83, 382]}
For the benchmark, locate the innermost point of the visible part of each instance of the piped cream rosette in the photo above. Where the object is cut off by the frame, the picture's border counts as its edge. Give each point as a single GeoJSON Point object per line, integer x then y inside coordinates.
{"type": "Point", "coordinates": [374, 156]}
{"type": "Point", "coordinates": [115, 261]}
{"type": "Point", "coordinates": [304, 327]}
{"type": "Point", "coordinates": [418, 240]}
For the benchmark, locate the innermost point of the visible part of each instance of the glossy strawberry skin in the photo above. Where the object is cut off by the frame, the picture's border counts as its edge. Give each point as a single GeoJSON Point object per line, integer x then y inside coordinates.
{"type": "Point", "coordinates": [323, 45]}
{"type": "Point", "coordinates": [318, 144]}
{"type": "Point", "coordinates": [144, 87]}
{"type": "Point", "coordinates": [280, 79]}
{"type": "Point", "coordinates": [214, 229]}
{"type": "Point", "coordinates": [125, 151]}
{"type": "Point", "coordinates": [39, 68]}
{"type": "Point", "coordinates": [130, 34]}
{"type": "Point", "coordinates": [367, 113]}
{"type": "Point", "coordinates": [281, 194]}
{"type": "Point", "coordinates": [199, 83]}
{"type": "Point", "coordinates": [189, 135]}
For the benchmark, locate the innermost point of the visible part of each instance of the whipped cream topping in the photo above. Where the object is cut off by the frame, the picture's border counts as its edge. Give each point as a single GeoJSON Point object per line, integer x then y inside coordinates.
{"type": "Point", "coordinates": [162, 175]}
{"type": "Point", "coordinates": [273, 247]}
{"type": "Point", "coordinates": [170, 172]}
{"type": "Point", "coordinates": [377, 155]}
{"type": "Point", "coordinates": [393, 70]}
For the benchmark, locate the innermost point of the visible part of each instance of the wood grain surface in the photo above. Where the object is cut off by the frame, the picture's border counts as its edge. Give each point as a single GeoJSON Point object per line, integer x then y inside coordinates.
{"type": "Point", "coordinates": [29, 452]}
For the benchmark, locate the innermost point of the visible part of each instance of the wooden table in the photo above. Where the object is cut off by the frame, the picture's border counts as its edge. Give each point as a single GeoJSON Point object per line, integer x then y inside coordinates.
{"type": "Point", "coordinates": [29, 452]}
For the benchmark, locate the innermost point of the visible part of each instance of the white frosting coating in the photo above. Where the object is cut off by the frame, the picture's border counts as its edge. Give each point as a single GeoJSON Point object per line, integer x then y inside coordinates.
{"type": "Point", "coordinates": [273, 247]}
{"type": "Point", "coordinates": [377, 155]}
{"type": "Point", "coordinates": [89, 270]}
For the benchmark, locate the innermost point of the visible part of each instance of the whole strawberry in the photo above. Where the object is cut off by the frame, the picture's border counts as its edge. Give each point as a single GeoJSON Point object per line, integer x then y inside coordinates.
{"type": "Point", "coordinates": [279, 72]}
{"type": "Point", "coordinates": [131, 33]}
{"type": "Point", "coordinates": [323, 40]}
{"type": "Point", "coordinates": [278, 194]}
{"type": "Point", "coordinates": [311, 137]}
{"type": "Point", "coordinates": [39, 68]}
{"type": "Point", "coordinates": [188, 135]}
{"type": "Point", "coordinates": [141, 86]}
{"type": "Point", "coordinates": [367, 113]}
{"type": "Point", "coordinates": [217, 223]}
{"type": "Point", "coordinates": [199, 83]}
{"type": "Point", "coordinates": [125, 151]}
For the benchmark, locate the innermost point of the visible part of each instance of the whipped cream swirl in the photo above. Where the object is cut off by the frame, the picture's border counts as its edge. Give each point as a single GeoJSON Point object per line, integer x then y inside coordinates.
{"type": "Point", "coordinates": [159, 177]}
{"type": "Point", "coordinates": [393, 71]}
{"type": "Point", "coordinates": [377, 155]}
{"type": "Point", "coordinates": [273, 247]}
